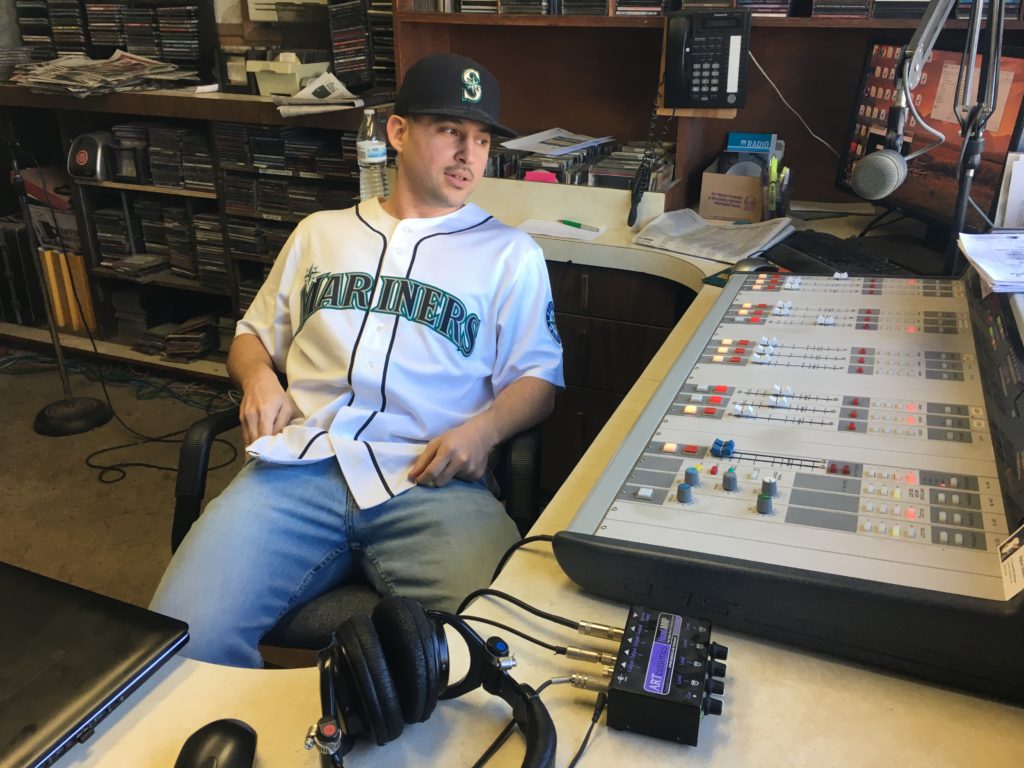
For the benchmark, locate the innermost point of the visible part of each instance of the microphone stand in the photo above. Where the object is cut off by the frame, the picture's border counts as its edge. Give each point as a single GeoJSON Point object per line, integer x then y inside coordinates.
{"type": "Point", "coordinates": [971, 116]}
{"type": "Point", "coordinates": [977, 114]}
{"type": "Point", "coordinates": [72, 415]}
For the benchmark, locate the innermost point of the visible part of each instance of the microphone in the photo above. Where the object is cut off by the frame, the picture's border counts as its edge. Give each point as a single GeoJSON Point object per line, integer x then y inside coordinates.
{"type": "Point", "coordinates": [879, 174]}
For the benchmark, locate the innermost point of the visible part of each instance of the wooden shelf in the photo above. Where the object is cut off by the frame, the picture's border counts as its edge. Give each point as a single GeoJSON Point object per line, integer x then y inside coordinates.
{"type": "Point", "coordinates": [179, 191]}
{"type": "Point", "coordinates": [655, 22]}
{"type": "Point", "coordinates": [516, 20]}
{"type": "Point", "coordinates": [165, 279]}
{"type": "Point", "coordinates": [229, 107]}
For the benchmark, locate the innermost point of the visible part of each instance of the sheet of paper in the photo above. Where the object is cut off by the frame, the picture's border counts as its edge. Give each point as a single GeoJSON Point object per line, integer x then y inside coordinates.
{"type": "Point", "coordinates": [1013, 207]}
{"type": "Point", "coordinates": [556, 229]}
{"type": "Point", "coordinates": [998, 257]}
{"type": "Point", "coordinates": [554, 141]}
{"type": "Point", "coordinates": [688, 233]}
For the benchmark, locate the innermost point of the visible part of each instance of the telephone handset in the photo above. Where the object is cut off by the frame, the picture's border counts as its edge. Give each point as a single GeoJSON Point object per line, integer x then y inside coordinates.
{"type": "Point", "coordinates": [706, 59]}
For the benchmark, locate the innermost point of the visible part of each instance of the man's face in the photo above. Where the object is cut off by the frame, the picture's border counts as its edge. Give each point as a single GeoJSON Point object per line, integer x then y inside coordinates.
{"type": "Point", "coordinates": [441, 159]}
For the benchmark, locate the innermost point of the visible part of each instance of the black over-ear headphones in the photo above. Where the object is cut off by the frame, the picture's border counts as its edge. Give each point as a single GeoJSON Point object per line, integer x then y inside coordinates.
{"type": "Point", "coordinates": [383, 671]}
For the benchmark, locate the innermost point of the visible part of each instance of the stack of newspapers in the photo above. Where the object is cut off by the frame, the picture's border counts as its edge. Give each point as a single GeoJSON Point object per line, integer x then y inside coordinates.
{"type": "Point", "coordinates": [998, 258]}
{"type": "Point", "coordinates": [81, 76]}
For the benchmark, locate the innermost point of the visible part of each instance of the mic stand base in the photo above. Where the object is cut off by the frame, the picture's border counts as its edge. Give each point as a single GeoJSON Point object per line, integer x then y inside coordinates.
{"type": "Point", "coordinates": [72, 416]}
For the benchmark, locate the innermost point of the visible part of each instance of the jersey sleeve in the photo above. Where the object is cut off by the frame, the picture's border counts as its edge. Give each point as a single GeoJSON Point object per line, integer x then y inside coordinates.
{"type": "Point", "coordinates": [528, 343]}
{"type": "Point", "coordinates": [269, 315]}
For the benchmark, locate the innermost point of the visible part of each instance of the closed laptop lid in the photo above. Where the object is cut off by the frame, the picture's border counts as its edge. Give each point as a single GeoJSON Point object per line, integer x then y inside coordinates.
{"type": "Point", "coordinates": [67, 657]}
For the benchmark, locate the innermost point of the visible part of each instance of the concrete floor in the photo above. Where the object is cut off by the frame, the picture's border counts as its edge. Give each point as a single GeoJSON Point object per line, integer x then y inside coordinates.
{"type": "Point", "coordinates": [58, 519]}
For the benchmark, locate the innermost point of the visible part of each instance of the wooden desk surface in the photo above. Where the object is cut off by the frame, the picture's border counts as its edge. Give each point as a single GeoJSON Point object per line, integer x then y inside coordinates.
{"type": "Point", "coordinates": [783, 707]}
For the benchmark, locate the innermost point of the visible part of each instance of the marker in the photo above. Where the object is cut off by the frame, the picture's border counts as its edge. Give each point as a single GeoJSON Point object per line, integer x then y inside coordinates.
{"type": "Point", "coordinates": [577, 225]}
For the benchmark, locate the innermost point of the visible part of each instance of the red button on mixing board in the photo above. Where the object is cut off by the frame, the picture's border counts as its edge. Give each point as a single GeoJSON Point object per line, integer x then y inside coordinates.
{"type": "Point", "coordinates": [715, 399]}
{"type": "Point", "coordinates": [721, 388]}
{"type": "Point", "coordinates": [710, 411]}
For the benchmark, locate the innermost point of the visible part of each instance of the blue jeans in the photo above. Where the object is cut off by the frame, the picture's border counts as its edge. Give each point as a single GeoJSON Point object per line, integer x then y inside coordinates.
{"type": "Point", "coordinates": [282, 534]}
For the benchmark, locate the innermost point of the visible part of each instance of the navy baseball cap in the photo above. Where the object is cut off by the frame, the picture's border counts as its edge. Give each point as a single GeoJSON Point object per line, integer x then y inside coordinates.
{"type": "Point", "coordinates": [450, 85]}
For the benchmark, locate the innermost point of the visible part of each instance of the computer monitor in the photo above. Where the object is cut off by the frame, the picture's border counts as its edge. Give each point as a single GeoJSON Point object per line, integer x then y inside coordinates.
{"type": "Point", "coordinates": [930, 190]}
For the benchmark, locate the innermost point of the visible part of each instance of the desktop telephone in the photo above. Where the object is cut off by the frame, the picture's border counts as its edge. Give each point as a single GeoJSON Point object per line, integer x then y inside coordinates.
{"type": "Point", "coordinates": [706, 59]}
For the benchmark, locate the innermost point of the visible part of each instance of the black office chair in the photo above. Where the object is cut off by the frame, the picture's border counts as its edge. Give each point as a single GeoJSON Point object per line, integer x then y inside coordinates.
{"type": "Point", "coordinates": [309, 626]}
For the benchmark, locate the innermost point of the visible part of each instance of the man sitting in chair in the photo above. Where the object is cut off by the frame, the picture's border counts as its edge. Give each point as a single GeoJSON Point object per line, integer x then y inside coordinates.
{"type": "Point", "coordinates": [416, 333]}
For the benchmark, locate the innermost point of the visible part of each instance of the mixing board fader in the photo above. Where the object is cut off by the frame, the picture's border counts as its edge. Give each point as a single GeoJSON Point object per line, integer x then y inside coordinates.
{"type": "Point", "coordinates": [822, 444]}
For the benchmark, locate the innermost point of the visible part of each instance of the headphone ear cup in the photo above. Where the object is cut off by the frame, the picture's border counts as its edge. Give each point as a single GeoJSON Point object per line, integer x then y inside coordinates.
{"type": "Point", "coordinates": [375, 689]}
{"type": "Point", "coordinates": [410, 647]}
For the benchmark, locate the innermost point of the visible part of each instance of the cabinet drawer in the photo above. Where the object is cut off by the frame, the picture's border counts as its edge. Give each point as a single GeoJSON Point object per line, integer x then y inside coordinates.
{"type": "Point", "coordinates": [617, 294]}
{"type": "Point", "coordinates": [606, 354]}
{"type": "Point", "coordinates": [566, 434]}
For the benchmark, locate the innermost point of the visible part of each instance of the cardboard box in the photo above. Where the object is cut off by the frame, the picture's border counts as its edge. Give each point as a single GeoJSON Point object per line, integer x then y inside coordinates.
{"type": "Point", "coordinates": [729, 197]}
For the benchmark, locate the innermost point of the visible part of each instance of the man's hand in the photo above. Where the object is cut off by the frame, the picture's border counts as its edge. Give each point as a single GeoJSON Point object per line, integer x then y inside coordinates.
{"type": "Point", "coordinates": [266, 408]}
{"type": "Point", "coordinates": [460, 452]}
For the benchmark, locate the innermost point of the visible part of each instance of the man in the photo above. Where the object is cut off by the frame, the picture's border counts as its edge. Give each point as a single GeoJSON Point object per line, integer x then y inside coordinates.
{"type": "Point", "coordinates": [416, 334]}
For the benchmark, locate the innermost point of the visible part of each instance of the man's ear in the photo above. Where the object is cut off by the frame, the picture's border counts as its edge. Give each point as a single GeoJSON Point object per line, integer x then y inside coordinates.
{"type": "Point", "coordinates": [397, 129]}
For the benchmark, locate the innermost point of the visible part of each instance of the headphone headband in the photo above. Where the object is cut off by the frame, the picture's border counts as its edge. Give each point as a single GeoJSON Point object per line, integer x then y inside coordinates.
{"type": "Point", "coordinates": [341, 698]}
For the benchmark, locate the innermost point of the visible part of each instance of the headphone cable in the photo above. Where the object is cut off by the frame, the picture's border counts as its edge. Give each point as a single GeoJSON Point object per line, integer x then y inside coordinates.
{"type": "Point", "coordinates": [560, 650]}
{"type": "Point", "coordinates": [602, 701]}
{"type": "Point", "coordinates": [502, 737]}
{"type": "Point", "coordinates": [517, 602]}
{"type": "Point", "coordinates": [512, 550]}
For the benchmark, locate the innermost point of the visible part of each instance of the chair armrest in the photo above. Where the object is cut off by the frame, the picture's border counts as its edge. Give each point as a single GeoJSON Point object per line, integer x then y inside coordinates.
{"type": "Point", "coordinates": [519, 478]}
{"type": "Point", "coordinates": [193, 461]}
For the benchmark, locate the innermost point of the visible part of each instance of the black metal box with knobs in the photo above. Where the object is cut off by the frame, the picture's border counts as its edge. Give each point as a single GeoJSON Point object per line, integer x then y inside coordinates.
{"type": "Point", "coordinates": [667, 676]}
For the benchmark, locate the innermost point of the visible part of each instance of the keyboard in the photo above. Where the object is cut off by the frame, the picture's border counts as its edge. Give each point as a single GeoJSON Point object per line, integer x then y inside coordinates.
{"type": "Point", "coordinates": [819, 253]}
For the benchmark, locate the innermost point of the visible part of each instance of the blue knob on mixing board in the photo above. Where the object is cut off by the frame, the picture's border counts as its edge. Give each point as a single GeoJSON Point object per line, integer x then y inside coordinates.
{"type": "Point", "coordinates": [692, 477]}
{"type": "Point", "coordinates": [684, 493]}
{"type": "Point", "coordinates": [729, 480]}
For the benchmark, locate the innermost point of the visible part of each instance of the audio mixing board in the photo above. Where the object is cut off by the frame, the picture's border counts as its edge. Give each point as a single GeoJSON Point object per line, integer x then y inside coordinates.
{"type": "Point", "coordinates": [819, 467]}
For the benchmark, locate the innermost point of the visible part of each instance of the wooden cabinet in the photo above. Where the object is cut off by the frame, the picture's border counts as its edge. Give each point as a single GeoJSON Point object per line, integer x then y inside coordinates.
{"type": "Point", "coordinates": [612, 322]}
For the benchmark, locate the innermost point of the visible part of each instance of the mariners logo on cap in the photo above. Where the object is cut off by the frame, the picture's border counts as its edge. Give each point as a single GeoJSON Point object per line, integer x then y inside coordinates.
{"type": "Point", "coordinates": [472, 90]}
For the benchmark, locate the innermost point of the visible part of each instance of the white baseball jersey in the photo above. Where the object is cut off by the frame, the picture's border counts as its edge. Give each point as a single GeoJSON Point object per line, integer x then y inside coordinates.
{"type": "Point", "coordinates": [392, 332]}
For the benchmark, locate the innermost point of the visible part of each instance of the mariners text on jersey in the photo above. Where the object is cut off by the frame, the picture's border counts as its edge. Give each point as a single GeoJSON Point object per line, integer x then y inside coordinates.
{"type": "Point", "coordinates": [411, 299]}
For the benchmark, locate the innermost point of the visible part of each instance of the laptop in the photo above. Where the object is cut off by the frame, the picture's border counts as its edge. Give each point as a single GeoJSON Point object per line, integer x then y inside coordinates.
{"type": "Point", "coordinates": [67, 658]}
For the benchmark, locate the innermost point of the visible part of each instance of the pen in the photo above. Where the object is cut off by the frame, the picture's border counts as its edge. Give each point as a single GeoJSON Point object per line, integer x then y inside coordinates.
{"type": "Point", "coordinates": [576, 224]}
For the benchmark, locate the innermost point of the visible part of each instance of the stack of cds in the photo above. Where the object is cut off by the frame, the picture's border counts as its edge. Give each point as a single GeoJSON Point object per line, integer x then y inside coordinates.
{"type": "Point", "coordinates": [240, 195]}
{"type": "Point", "coordinates": [248, 287]}
{"type": "Point", "coordinates": [190, 339]}
{"type": "Point", "coordinates": [1011, 9]}
{"type": "Point", "coordinates": [267, 147]}
{"type": "Point", "coordinates": [140, 30]}
{"type": "Point", "coordinates": [130, 164]}
{"type": "Point", "coordinates": [210, 250]}
{"type": "Point", "coordinates": [225, 333]}
{"type": "Point", "coordinates": [333, 160]}
{"type": "Point", "coordinates": [129, 313]}
{"type": "Point", "coordinates": [898, 9]}
{"type": "Point", "coordinates": [247, 240]}
{"type": "Point", "coordinates": [165, 155]}
{"type": "Point", "coordinates": [584, 7]}
{"type": "Point", "coordinates": [106, 23]}
{"type": "Point", "coordinates": [231, 141]}
{"type": "Point", "coordinates": [12, 57]}
{"type": "Point", "coordinates": [197, 162]}
{"type": "Point", "coordinates": [840, 9]}
{"type": "Point", "coordinates": [476, 6]}
{"type": "Point", "coordinates": [34, 25]}
{"type": "Point", "coordinates": [277, 235]}
{"type": "Point", "coordinates": [179, 241]}
{"type": "Point", "coordinates": [536, 7]}
{"type": "Point", "coordinates": [67, 22]}
{"type": "Point", "coordinates": [151, 214]}
{"type": "Point", "coordinates": [179, 34]}
{"type": "Point", "coordinates": [350, 43]}
{"type": "Point", "coordinates": [767, 7]}
{"type": "Point", "coordinates": [272, 198]}
{"type": "Point", "coordinates": [112, 234]}
{"type": "Point", "coordinates": [151, 340]}
{"type": "Point", "coordinates": [301, 149]}
{"type": "Point", "coordinates": [382, 38]}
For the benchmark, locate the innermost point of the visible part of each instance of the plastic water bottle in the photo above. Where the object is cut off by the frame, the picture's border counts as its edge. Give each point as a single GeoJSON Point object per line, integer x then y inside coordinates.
{"type": "Point", "coordinates": [372, 155]}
